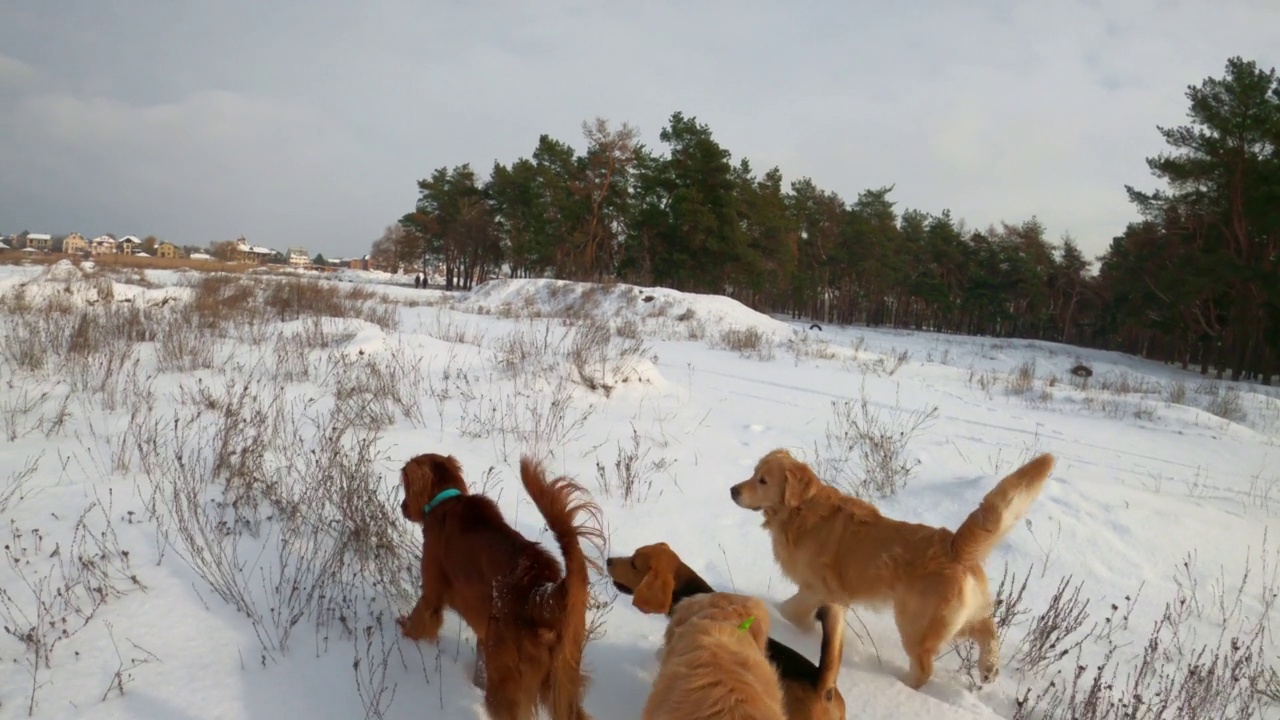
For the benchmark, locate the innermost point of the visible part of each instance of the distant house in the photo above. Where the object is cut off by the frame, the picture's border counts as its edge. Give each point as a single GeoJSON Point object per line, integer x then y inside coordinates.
{"type": "Point", "coordinates": [74, 244]}
{"type": "Point", "coordinates": [168, 250]}
{"type": "Point", "coordinates": [41, 242]}
{"type": "Point", "coordinates": [103, 245]}
{"type": "Point", "coordinates": [242, 251]}
{"type": "Point", "coordinates": [298, 257]}
{"type": "Point", "coordinates": [128, 244]}
{"type": "Point", "coordinates": [4, 246]}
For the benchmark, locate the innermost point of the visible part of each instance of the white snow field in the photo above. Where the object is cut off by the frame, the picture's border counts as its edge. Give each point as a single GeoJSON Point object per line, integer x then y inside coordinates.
{"type": "Point", "coordinates": [198, 480]}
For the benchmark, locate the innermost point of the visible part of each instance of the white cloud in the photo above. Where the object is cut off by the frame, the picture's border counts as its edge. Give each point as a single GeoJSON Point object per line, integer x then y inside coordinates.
{"type": "Point", "coordinates": [15, 73]}
{"type": "Point", "coordinates": [317, 121]}
{"type": "Point", "coordinates": [195, 170]}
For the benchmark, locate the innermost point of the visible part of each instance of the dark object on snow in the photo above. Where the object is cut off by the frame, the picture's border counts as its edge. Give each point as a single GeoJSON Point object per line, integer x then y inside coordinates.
{"type": "Point", "coordinates": [647, 298]}
{"type": "Point", "coordinates": [815, 326]}
{"type": "Point", "coordinates": [417, 281]}
{"type": "Point", "coordinates": [1082, 371]}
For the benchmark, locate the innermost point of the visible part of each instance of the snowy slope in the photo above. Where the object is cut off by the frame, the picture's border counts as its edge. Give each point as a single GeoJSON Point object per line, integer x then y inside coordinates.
{"type": "Point", "coordinates": [235, 409]}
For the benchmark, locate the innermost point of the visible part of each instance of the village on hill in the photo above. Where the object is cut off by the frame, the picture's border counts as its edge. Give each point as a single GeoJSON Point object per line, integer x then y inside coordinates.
{"type": "Point", "coordinates": [240, 250]}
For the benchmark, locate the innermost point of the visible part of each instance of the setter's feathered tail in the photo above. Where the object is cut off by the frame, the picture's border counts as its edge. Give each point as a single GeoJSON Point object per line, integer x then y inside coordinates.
{"type": "Point", "coordinates": [572, 518]}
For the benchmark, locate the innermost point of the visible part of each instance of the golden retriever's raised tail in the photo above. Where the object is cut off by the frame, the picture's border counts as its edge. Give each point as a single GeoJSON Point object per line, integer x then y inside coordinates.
{"type": "Point", "coordinates": [559, 501]}
{"type": "Point", "coordinates": [1000, 510]}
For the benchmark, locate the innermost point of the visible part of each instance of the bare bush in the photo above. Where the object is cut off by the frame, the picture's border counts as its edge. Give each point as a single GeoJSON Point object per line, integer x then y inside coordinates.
{"type": "Point", "coordinates": [124, 672]}
{"type": "Point", "coordinates": [15, 485]}
{"type": "Point", "coordinates": [1023, 378]}
{"type": "Point", "coordinates": [17, 408]}
{"type": "Point", "coordinates": [878, 440]}
{"type": "Point", "coordinates": [748, 342]}
{"type": "Point", "coordinates": [239, 473]}
{"type": "Point", "coordinates": [371, 665]}
{"type": "Point", "coordinates": [1009, 608]}
{"type": "Point", "coordinates": [178, 349]}
{"type": "Point", "coordinates": [887, 365]}
{"type": "Point", "coordinates": [1055, 631]}
{"type": "Point", "coordinates": [602, 358]}
{"type": "Point", "coordinates": [1174, 674]}
{"type": "Point", "coordinates": [65, 595]}
{"type": "Point", "coordinates": [1225, 401]}
{"type": "Point", "coordinates": [633, 471]}
{"type": "Point", "coordinates": [531, 349]}
{"type": "Point", "coordinates": [983, 380]}
{"type": "Point", "coordinates": [804, 346]}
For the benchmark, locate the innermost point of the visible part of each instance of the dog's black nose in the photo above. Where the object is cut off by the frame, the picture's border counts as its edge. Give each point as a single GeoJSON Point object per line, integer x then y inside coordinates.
{"type": "Point", "coordinates": [733, 492]}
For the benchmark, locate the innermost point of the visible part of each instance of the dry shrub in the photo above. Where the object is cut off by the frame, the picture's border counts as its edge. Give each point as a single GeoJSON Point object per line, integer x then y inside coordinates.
{"type": "Point", "coordinates": [633, 471]}
{"type": "Point", "coordinates": [748, 342]}
{"type": "Point", "coordinates": [878, 439]}
{"type": "Point", "coordinates": [1023, 378]}
{"type": "Point", "coordinates": [602, 358]}
{"type": "Point", "coordinates": [1170, 673]}
{"type": "Point", "coordinates": [66, 587]}
{"type": "Point", "coordinates": [241, 472]}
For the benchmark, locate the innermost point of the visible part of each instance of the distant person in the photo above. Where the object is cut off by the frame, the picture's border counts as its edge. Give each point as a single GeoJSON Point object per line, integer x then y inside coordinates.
{"type": "Point", "coordinates": [417, 281]}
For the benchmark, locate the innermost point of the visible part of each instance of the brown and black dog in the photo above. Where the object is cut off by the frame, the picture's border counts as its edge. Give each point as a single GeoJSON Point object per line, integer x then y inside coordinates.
{"type": "Point", "coordinates": [658, 580]}
{"type": "Point", "coordinates": [529, 620]}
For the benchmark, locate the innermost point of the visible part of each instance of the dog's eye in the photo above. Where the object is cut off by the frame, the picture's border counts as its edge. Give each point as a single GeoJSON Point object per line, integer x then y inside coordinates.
{"type": "Point", "coordinates": [763, 481]}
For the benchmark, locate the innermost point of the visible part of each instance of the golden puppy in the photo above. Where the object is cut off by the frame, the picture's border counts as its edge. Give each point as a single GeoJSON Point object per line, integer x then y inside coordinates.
{"type": "Point", "coordinates": [839, 549]}
{"type": "Point", "coordinates": [658, 581]}
{"type": "Point", "coordinates": [713, 663]}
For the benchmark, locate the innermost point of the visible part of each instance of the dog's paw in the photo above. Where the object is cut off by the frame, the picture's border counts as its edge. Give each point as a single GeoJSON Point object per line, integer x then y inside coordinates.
{"type": "Point", "coordinates": [415, 631]}
{"type": "Point", "coordinates": [989, 675]}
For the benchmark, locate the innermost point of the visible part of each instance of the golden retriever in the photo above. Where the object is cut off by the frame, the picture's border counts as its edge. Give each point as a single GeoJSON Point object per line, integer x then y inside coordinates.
{"type": "Point", "coordinates": [529, 618]}
{"type": "Point", "coordinates": [658, 580]}
{"type": "Point", "coordinates": [839, 549]}
{"type": "Point", "coordinates": [713, 663]}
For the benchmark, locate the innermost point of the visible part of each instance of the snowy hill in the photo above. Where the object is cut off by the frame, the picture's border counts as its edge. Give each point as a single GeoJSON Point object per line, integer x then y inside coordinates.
{"type": "Point", "coordinates": [199, 477]}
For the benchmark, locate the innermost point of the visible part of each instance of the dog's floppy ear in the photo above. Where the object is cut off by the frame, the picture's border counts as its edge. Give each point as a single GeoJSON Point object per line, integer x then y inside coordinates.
{"type": "Point", "coordinates": [449, 467]}
{"type": "Point", "coordinates": [653, 594]}
{"type": "Point", "coordinates": [415, 476]}
{"type": "Point", "coordinates": [799, 483]}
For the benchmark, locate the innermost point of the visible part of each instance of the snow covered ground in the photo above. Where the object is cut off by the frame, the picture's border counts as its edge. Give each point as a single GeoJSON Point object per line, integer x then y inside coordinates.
{"type": "Point", "coordinates": [198, 477]}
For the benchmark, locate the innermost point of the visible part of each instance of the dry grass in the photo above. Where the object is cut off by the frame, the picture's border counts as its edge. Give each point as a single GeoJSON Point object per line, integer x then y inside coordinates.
{"type": "Point", "coordinates": [748, 342]}
{"type": "Point", "coordinates": [866, 452]}
{"type": "Point", "coordinates": [1077, 666]}
{"type": "Point", "coordinates": [65, 587]}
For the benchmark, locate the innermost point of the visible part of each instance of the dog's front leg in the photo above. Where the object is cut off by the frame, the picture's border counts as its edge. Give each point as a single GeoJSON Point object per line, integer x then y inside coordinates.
{"type": "Point", "coordinates": [799, 609]}
{"type": "Point", "coordinates": [424, 622]}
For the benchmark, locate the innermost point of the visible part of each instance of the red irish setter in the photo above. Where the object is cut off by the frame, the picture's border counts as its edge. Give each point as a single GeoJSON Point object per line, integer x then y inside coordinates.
{"type": "Point", "coordinates": [528, 617]}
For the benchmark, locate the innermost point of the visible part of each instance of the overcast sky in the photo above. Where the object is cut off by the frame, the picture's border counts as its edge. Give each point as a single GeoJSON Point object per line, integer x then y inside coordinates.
{"type": "Point", "coordinates": [309, 123]}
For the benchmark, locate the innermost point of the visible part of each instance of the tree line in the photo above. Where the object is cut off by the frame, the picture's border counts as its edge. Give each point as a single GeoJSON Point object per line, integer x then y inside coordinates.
{"type": "Point", "coordinates": [1194, 279]}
